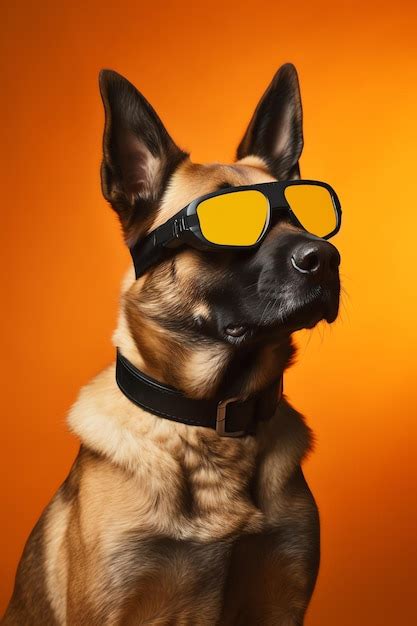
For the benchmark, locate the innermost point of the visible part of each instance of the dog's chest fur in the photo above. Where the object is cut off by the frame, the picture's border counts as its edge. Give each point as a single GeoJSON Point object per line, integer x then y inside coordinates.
{"type": "Point", "coordinates": [171, 521]}
{"type": "Point", "coordinates": [160, 523]}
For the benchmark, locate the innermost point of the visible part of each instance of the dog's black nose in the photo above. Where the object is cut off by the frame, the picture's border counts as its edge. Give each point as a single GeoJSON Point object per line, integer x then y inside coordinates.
{"type": "Point", "coordinates": [315, 257]}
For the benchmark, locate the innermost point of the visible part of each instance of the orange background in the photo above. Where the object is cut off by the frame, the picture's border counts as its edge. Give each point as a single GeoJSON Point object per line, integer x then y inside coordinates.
{"type": "Point", "coordinates": [204, 67]}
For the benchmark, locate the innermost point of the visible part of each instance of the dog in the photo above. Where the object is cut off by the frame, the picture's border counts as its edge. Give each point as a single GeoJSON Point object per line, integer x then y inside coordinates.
{"type": "Point", "coordinates": [161, 521]}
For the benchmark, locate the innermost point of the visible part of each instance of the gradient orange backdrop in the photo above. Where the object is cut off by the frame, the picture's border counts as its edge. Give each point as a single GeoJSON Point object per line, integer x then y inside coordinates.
{"type": "Point", "coordinates": [204, 67]}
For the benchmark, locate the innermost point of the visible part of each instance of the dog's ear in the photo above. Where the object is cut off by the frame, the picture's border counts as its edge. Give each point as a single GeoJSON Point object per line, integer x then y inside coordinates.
{"type": "Point", "coordinates": [275, 131]}
{"type": "Point", "coordinates": [138, 154]}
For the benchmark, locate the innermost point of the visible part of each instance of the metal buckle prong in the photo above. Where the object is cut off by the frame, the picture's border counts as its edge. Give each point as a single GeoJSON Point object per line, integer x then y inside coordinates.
{"type": "Point", "coordinates": [221, 419]}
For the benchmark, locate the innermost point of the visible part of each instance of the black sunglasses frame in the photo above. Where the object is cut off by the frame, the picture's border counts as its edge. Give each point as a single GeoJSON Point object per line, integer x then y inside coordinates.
{"type": "Point", "coordinates": [184, 227]}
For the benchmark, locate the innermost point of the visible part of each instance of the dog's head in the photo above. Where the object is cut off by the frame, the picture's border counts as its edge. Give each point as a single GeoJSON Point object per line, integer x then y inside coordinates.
{"type": "Point", "coordinates": [214, 321]}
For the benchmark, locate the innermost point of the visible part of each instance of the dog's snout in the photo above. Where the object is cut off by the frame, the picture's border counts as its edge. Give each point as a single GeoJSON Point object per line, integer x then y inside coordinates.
{"type": "Point", "coordinates": [315, 257]}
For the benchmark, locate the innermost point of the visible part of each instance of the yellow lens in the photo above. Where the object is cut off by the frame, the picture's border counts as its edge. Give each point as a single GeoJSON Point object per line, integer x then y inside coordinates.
{"type": "Point", "coordinates": [234, 219]}
{"type": "Point", "coordinates": [313, 207]}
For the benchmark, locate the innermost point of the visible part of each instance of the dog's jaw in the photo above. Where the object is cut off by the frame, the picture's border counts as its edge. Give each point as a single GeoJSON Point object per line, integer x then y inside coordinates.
{"type": "Point", "coordinates": [202, 369]}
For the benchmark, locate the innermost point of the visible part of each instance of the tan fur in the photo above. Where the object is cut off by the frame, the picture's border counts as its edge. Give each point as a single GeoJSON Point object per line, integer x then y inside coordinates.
{"type": "Point", "coordinates": [144, 488]}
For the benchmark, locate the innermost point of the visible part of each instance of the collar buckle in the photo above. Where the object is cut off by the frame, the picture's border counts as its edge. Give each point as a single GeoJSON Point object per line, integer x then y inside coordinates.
{"type": "Point", "coordinates": [221, 419]}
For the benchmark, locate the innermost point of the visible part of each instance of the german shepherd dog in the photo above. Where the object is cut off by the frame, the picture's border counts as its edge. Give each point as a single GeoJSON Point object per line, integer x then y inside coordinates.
{"type": "Point", "coordinates": [161, 522]}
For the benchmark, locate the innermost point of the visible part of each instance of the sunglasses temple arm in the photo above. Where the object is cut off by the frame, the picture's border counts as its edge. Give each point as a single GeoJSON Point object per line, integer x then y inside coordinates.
{"type": "Point", "coordinates": [148, 251]}
{"type": "Point", "coordinates": [143, 254]}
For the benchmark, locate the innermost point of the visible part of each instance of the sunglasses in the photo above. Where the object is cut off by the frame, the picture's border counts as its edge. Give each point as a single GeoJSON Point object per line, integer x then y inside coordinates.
{"type": "Point", "coordinates": [239, 219]}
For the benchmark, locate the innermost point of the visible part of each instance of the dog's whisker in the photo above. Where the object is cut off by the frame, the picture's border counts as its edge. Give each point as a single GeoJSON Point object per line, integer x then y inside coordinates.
{"type": "Point", "coordinates": [252, 286]}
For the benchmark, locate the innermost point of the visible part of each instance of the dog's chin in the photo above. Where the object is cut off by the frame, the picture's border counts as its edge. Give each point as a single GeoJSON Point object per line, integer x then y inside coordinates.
{"type": "Point", "coordinates": [308, 314]}
{"type": "Point", "coordinates": [285, 318]}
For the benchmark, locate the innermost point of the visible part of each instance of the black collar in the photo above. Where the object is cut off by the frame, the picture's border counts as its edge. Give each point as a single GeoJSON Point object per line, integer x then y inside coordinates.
{"type": "Point", "coordinates": [230, 417]}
